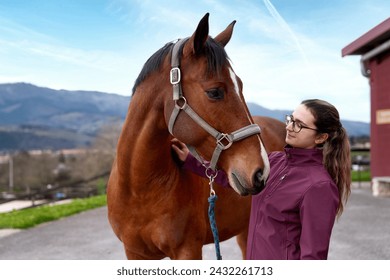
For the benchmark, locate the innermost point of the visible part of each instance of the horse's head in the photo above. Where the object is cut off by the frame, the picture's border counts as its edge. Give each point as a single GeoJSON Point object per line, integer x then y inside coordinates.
{"type": "Point", "coordinates": [204, 106]}
{"type": "Point", "coordinates": [206, 87]}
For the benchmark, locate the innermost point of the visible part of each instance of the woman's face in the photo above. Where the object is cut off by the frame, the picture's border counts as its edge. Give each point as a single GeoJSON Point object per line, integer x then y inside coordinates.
{"type": "Point", "coordinates": [305, 138]}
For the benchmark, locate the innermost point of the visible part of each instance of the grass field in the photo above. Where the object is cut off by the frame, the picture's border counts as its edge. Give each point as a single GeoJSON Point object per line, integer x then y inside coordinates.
{"type": "Point", "coordinates": [362, 176]}
{"type": "Point", "coordinates": [26, 218]}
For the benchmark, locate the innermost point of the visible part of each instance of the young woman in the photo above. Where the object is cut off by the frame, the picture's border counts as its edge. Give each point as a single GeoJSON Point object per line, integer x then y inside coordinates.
{"type": "Point", "coordinates": [309, 183]}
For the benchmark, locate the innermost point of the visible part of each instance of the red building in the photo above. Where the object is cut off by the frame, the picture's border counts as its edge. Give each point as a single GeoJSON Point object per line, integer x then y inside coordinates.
{"type": "Point", "coordinates": [374, 48]}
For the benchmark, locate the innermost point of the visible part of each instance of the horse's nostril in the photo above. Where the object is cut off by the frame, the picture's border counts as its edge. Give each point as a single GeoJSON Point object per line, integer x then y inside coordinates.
{"type": "Point", "coordinates": [258, 182]}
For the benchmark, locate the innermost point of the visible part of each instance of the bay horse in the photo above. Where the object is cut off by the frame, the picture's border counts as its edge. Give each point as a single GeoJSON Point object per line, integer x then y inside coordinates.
{"type": "Point", "coordinates": [156, 208]}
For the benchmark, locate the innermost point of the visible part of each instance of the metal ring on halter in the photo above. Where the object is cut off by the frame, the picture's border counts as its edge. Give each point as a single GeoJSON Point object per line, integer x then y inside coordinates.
{"type": "Point", "coordinates": [210, 173]}
{"type": "Point", "coordinates": [181, 107]}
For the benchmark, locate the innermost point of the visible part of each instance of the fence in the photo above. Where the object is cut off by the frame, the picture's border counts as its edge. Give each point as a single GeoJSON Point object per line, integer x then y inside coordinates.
{"type": "Point", "coordinates": [76, 189]}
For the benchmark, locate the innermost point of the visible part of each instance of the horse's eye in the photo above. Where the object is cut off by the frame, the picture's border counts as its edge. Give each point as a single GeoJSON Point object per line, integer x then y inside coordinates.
{"type": "Point", "coordinates": [216, 93]}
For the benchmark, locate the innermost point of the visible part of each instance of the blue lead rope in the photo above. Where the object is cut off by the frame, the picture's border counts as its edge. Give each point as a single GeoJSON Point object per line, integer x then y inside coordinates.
{"type": "Point", "coordinates": [213, 225]}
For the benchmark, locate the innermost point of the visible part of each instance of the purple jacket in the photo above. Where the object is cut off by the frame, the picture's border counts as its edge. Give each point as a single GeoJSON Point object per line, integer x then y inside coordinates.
{"type": "Point", "coordinates": [293, 217]}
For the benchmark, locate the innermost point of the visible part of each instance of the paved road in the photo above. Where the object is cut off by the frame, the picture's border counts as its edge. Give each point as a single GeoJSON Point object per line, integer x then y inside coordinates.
{"type": "Point", "coordinates": [363, 232]}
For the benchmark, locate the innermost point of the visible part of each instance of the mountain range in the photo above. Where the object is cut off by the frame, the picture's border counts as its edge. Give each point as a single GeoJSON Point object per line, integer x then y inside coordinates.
{"type": "Point", "coordinates": [33, 117]}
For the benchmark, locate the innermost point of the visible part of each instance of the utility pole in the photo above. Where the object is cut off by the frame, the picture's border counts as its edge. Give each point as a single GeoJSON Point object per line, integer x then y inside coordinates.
{"type": "Point", "coordinates": [11, 173]}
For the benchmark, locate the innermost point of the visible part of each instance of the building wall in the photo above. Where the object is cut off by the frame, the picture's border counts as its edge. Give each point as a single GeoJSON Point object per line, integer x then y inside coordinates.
{"type": "Point", "coordinates": [380, 115]}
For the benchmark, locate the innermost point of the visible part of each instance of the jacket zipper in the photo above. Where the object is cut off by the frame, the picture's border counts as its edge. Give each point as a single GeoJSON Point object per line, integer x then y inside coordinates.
{"type": "Point", "coordinates": [277, 183]}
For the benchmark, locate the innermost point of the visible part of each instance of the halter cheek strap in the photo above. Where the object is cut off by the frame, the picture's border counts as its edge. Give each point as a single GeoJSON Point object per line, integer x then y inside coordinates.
{"type": "Point", "coordinates": [223, 140]}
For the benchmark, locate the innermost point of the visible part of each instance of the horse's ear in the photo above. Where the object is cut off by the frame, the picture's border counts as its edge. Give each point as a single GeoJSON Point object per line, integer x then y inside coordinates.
{"type": "Point", "coordinates": [224, 37]}
{"type": "Point", "coordinates": [198, 39]}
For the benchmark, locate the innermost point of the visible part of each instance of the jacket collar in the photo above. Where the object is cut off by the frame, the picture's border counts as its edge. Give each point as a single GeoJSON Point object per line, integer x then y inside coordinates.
{"type": "Point", "coordinates": [303, 156]}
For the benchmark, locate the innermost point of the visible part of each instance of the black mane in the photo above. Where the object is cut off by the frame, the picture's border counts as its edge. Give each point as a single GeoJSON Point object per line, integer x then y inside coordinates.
{"type": "Point", "coordinates": [214, 52]}
{"type": "Point", "coordinates": [152, 64]}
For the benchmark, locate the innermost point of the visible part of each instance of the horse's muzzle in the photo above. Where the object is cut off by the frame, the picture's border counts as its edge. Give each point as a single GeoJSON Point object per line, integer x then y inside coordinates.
{"type": "Point", "coordinates": [257, 187]}
{"type": "Point", "coordinates": [258, 182]}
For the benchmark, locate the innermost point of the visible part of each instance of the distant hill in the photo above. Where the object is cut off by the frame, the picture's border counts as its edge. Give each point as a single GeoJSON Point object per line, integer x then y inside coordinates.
{"type": "Point", "coordinates": [33, 117]}
{"type": "Point", "coordinates": [83, 111]}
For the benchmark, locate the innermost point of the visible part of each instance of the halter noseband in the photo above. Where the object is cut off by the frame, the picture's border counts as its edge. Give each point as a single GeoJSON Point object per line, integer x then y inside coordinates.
{"type": "Point", "coordinates": [223, 140]}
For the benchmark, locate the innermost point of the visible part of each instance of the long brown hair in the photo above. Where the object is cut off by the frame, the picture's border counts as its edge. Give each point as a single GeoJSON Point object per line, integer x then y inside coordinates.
{"type": "Point", "coordinates": [336, 149]}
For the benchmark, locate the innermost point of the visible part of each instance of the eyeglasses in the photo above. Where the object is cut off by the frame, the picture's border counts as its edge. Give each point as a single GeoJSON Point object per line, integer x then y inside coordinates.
{"type": "Point", "coordinates": [296, 126]}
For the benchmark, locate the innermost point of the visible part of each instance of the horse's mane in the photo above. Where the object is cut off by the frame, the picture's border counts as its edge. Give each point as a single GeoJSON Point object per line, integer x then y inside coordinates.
{"type": "Point", "coordinates": [214, 52]}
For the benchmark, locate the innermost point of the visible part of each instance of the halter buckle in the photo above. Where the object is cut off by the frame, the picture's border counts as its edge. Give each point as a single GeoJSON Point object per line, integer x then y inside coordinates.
{"type": "Point", "coordinates": [222, 139]}
{"type": "Point", "coordinates": [175, 75]}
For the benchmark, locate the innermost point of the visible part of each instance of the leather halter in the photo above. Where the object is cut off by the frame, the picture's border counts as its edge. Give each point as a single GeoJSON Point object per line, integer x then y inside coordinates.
{"type": "Point", "coordinates": [223, 140]}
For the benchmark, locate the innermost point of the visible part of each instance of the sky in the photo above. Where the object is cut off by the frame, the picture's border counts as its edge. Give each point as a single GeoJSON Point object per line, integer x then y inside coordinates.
{"type": "Point", "coordinates": [284, 51]}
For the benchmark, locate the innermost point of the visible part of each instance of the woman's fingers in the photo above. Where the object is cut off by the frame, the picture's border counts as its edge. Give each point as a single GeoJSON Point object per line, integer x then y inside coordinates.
{"type": "Point", "coordinates": [180, 148]}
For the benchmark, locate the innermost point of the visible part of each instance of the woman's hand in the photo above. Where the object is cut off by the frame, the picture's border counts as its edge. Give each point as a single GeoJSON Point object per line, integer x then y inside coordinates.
{"type": "Point", "coordinates": [180, 148]}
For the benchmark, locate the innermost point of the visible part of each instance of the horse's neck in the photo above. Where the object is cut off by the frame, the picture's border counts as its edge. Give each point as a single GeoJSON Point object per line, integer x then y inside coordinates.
{"type": "Point", "coordinates": [144, 150]}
